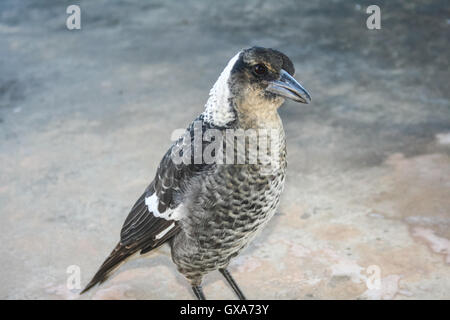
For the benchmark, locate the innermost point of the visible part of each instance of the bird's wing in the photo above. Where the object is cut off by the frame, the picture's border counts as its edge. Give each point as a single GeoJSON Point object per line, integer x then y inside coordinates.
{"type": "Point", "coordinates": [154, 217]}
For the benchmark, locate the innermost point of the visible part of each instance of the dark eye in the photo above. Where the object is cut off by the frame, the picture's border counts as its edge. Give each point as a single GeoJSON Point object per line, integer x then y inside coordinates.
{"type": "Point", "coordinates": [260, 69]}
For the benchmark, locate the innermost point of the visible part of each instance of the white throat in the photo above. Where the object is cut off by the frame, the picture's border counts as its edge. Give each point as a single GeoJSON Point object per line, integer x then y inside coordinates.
{"type": "Point", "coordinates": [218, 110]}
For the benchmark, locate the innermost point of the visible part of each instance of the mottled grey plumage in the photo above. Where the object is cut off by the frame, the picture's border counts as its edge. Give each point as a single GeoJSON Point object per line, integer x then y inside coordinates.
{"type": "Point", "coordinates": [209, 212]}
{"type": "Point", "coordinates": [227, 205]}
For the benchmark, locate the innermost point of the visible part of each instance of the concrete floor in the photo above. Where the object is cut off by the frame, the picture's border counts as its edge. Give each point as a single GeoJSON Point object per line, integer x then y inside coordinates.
{"type": "Point", "coordinates": [85, 117]}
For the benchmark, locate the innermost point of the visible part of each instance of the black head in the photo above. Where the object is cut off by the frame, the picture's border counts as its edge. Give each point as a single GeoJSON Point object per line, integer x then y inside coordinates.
{"type": "Point", "coordinates": [254, 84]}
{"type": "Point", "coordinates": [264, 73]}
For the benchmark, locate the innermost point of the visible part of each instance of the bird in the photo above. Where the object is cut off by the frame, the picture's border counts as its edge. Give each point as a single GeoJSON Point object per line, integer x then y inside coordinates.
{"type": "Point", "coordinates": [209, 211]}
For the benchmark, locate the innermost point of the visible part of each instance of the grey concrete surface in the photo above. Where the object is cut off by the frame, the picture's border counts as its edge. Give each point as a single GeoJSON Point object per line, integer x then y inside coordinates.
{"type": "Point", "coordinates": [86, 115]}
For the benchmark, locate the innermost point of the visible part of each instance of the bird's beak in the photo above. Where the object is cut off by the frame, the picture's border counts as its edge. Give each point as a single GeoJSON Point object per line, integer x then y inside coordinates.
{"type": "Point", "coordinates": [287, 87]}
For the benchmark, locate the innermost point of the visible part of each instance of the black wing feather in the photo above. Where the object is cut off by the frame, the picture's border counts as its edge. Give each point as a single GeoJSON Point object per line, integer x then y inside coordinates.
{"type": "Point", "coordinates": [140, 228]}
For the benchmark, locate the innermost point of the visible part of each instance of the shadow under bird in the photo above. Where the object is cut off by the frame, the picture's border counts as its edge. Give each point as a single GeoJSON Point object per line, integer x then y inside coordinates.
{"type": "Point", "coordinates": [208, 212]}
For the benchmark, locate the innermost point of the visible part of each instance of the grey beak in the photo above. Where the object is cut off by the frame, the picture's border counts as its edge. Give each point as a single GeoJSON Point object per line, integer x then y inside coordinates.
{"type": "Point", "coordinates": [288, 87]}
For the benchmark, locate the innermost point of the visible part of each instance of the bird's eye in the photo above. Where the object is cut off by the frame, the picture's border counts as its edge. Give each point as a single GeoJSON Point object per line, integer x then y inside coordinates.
{"type": "Point", "coordinates": [260, 69]}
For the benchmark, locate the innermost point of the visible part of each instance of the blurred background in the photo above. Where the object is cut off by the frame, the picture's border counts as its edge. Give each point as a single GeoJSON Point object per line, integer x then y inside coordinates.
{"type": "Point", "coordinates": [86, 115]}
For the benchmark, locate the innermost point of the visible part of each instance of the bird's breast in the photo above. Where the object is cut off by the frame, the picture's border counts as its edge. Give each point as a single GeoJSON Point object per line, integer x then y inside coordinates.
{"type": "Point", "coordinates": [227, 206]}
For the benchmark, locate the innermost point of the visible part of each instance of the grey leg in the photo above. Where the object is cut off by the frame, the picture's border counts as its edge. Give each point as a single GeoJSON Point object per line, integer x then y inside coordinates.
{"type": "Point", "coordinates": [232, 283]}
{"type": "Point", "coordinates": [198, 292]}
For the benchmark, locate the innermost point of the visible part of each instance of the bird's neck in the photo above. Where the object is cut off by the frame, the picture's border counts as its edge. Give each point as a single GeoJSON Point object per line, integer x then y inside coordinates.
{"type": "Point", "coordinates": [218, 108]}
{"type": "Point", "coordinates": [257, 117]}
{"type": "Point", "coordinates": [219, 116]}
{"type": "Point", "coordinates": [244, 115]}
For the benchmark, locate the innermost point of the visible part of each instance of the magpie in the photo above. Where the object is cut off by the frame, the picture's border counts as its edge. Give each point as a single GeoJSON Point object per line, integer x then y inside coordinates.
{"type": "Point", "coordinates": [209, 211]}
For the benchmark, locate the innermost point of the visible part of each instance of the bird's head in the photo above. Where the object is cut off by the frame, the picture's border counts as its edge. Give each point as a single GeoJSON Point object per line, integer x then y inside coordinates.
{"type": "Point", "coordinates": [255, 82]}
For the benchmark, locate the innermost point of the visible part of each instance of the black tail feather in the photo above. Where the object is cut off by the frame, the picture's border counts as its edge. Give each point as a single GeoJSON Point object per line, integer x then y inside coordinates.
{"type": "Point", "coordinates": [115, 259]}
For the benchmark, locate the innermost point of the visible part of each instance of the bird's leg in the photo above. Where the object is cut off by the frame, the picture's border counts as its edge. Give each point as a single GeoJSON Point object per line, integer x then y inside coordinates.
{"type": "Point", "coordinates": [198, 292]}
{"type": "Point", "coordinates": [232, 283]}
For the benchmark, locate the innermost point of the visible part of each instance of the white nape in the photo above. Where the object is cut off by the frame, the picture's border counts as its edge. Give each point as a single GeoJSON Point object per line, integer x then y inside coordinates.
{"type": "Point", "coordinates": [218, 110]}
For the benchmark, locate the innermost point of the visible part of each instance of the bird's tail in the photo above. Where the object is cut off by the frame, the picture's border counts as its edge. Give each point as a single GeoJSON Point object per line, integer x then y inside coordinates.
{"type": "Point", "coordinates": [114, 260]}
